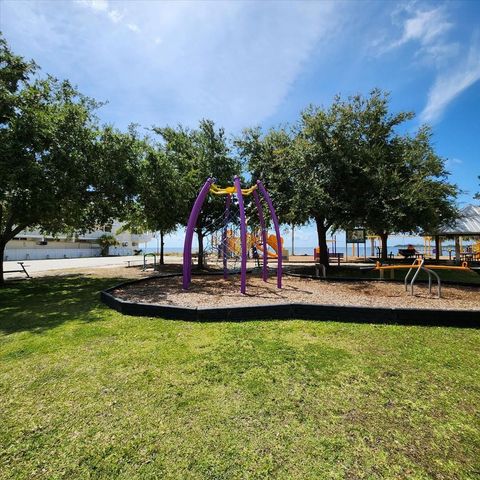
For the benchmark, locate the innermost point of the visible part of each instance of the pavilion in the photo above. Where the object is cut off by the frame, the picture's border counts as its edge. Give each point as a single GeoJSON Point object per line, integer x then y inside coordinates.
{"type": "Point", "coordinates": [467, 225]}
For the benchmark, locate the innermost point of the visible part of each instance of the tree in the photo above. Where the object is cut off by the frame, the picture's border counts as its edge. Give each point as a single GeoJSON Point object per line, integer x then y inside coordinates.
{"type": "Point", "coordinates": [60, 172]}
{"type": "Point", "coordinates": [199, 154]}
{"type": "Point", "coordinates": [477, 196]}
{"type": "Point", "coordinates": [160, 201]}
{"type": "Point", "coordinates": [312, 169]}
{"type": "Point", "coordinates": [408, 188]}
{"type": "Point", "coordinates": [106, 241]}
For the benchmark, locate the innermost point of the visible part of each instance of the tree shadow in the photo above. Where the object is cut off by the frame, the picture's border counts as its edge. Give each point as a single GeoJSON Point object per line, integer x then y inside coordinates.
{"type": "Point", "coordinates": [45, 303]}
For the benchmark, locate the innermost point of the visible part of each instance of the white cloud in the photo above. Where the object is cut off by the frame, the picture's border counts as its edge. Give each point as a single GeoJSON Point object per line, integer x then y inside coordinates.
{"type": "Point", "coordinates": [429, 29]}
{"type": "Point", "coordinates": [115, 16]}
{"type": "Point", "coordinates": [450, 84]}
{"type": "Point", "coordinates": [97, 5]}
{"type": "Point", "coordinates": [426, 26]}
{"type": "Point", "coordinates": [103, 6]}
{"type": "Point", "coordinates": [234, 62]}
{"type": "Point", "coordinates": [133, 27]}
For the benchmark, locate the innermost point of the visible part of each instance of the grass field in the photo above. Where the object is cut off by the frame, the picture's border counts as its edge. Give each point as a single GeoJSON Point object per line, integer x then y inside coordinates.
{"type": "Point", "coordinates": [88, 393]}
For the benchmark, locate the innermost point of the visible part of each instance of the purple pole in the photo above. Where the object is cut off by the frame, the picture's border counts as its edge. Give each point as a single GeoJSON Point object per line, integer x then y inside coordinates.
{"type": "Point", "coordinates": [243, 236]}
{"type": "Point", "coordinates": [192, 221]}
{"type": "Point", "coordinates": [264, 235]}
{"type": "Point", "coordinates": [267, 198]}
{"type": "Point", "coordinates": [224, 237]}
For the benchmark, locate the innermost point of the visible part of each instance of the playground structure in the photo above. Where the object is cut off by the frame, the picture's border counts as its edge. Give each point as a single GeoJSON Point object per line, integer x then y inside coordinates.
{"type": "Point", "coordinates": [223, 247]}
{"type": "Point", "coordinates": [417, 266]}
{"type": "Point", "coordinates": [254, 240]}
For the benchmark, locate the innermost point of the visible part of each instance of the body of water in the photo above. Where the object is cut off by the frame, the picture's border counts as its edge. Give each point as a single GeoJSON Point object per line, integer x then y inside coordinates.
{"type": "Point", "coordinates": [309, 250]}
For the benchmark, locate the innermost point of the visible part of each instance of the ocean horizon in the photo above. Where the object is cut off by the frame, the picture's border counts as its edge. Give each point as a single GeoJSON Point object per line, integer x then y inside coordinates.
{"type": "Point", "coordinates": [309, 250]}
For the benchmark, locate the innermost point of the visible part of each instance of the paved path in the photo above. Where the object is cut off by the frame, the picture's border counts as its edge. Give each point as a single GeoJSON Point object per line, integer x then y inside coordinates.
{"type": "Point", "coordinates": [33, 266]}
{"type": "Point", "coordinates": [39, 266]}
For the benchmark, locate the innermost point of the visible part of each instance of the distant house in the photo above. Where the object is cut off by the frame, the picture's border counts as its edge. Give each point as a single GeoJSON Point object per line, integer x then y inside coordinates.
{"type": "Point", "coordinates": [33, 245]}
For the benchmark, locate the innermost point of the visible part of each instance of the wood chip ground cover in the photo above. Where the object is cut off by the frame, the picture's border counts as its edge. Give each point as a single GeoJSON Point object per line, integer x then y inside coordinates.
{"type": "Point", "coordinates": [214, 291]}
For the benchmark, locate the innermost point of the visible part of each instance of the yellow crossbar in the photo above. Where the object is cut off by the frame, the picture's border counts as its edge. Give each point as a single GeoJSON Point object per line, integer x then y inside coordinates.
{"type": "Point", "coordinates": [216, 190]}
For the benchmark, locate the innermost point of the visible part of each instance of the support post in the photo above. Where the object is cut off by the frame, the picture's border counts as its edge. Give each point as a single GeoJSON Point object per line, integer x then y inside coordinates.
{"type": "Point", "coordinates": [267, 198]}
{"type": "Point", "coordinates": [192, 221]}
{"type": "Point", "coordinates": [224, 237]}
{"type": "Point", "coordinates": [457, 250]}
{"type": "Point", "coordinates": [264, 236]}
{"type": "Point", "coordinates": [243, 236]}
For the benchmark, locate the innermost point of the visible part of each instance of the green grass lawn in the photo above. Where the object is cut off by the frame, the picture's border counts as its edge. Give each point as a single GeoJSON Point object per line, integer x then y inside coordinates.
{"type": "Point", "coordinates": [88, 393]}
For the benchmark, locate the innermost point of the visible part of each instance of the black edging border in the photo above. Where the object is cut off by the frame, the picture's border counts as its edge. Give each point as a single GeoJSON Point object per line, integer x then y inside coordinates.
{"type": "Point", "coordinates": [290, 311]}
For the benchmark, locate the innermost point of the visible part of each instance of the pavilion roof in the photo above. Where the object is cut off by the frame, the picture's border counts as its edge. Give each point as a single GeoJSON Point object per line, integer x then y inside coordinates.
{"type": "Point", "coordinates": [467, 224]}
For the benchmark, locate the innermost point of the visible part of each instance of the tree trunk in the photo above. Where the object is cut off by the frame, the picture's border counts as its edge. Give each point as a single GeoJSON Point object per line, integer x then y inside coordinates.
{"type": "Point", "coordinates": [200, 249]}
{"type": "Point", "coordinates": [8, 235]}
{"type": "Point", "coordinates": [322, 241]}
{"type": "Point", "coordinates": [162, 243]}
{"type": "Point", "coordinates": [437, 248]}
{"type": "Point", "coordinates": [384, 239]}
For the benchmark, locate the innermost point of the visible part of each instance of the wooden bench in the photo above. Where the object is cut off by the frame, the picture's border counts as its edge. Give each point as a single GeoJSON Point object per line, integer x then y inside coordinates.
{"type": "Point", "coordinates": [131, 263]}
{"type": "Point", "coordinates": [338, 256]}
{"type": "Point", "coordinates": [23, 270]}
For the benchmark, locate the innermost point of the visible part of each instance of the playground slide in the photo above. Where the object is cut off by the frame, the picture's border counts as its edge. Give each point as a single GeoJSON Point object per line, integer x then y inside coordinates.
{"type": "Point", "coordinates": [271, 242]}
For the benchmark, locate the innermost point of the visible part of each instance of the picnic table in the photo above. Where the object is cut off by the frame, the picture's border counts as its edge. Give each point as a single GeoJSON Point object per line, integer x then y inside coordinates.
{"type": "Point", "coordinates": [22, 270]}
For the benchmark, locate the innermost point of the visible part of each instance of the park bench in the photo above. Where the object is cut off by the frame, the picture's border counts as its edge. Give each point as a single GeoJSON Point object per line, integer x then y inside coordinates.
{"type": "Point", "coordinates": [132, 263]}
{"type": "Point", "coordinates": [338, 256]}
{"type": "Point", "coordinates": [23, 270]}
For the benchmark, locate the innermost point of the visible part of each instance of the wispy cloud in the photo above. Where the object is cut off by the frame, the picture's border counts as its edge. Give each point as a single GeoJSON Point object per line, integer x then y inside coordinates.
{"type": "Point", "coordinates": [102, 6]}
{"type": "Point", "coordinates": [234, 62]}
{"type": "Point", "coordinates": [133, 27]}
{"type": "Point", "coordinates": [428, 28]}
{"type": "Point", "coordinates": [451, 83]}
{"type": "Point", "coordinates": [432, 30]}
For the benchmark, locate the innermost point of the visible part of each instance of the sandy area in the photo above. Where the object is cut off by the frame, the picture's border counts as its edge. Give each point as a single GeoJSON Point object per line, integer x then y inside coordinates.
{"type": "Point", "coordinates": [213, 291]}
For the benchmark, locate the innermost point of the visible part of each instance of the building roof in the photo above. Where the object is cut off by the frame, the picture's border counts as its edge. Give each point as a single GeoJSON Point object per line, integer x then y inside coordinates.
{"type": "Point", "coordinates": [467, 224]}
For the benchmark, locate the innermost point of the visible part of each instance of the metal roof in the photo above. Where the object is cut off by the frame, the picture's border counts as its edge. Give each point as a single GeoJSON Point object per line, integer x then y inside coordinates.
{"type": "Point", "coordinates": [467, 224]}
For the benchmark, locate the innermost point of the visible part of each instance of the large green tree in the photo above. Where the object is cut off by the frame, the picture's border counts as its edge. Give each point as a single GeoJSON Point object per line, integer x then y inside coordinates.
{"type": "Point", "coordinates": [347, 165]}
{"type": "Point", "coordinates": [198, 154]}
{"type": "Point", "coordinates": [406, 183]}
{"type": "Point", "coordinates": [59, 171]}
{"type": "Point", "coordinates": [312, 169]}
{"type": "Point", "coordinates": [160, 202]}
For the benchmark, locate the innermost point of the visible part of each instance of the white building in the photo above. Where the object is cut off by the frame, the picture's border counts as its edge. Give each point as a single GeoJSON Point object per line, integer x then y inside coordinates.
{"type": "Point", "coordinates": [32, 245]}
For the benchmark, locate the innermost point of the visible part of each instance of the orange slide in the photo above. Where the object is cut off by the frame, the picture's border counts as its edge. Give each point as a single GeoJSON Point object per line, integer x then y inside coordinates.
{"type": "Point", "coordinates": [271, 242]}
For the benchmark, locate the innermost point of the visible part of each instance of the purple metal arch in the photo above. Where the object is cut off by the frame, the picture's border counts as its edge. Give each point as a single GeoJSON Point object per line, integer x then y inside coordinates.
{"type": "Point", "coordinates": [192, 221]}
{"type": "Point", "coordinates": [243, 236]}
{"type": "Point", "coordinates": [224, 236]}
{"type": "Point", "coordinates": [264, 236]}
{"type": "Point", "coordinates": [267, 198]}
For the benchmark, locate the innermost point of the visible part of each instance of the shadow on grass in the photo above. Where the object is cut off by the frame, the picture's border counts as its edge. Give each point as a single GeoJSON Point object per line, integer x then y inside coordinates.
{"type": "Point", "coordinates": [47, 302]}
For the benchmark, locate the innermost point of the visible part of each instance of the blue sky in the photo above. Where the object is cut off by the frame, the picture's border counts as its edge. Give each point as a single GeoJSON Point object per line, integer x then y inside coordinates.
{"type": "Point", "coordinates": [259, 63]}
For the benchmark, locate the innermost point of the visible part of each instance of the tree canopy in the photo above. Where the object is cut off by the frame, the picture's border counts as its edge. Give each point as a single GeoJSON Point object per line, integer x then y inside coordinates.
{"type": "Point", "coordinates": [59, 170]}
{"type": "Point", "coordinates": [347, 165]}
{"type": "Point", "coordinates": [160, 202]}
{"type": "Point", "coordinates": [198, 154]}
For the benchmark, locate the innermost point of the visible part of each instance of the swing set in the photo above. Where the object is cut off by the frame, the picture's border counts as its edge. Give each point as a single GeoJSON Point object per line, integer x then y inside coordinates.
{"type": "Point", "coordinates": [231, 193]}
